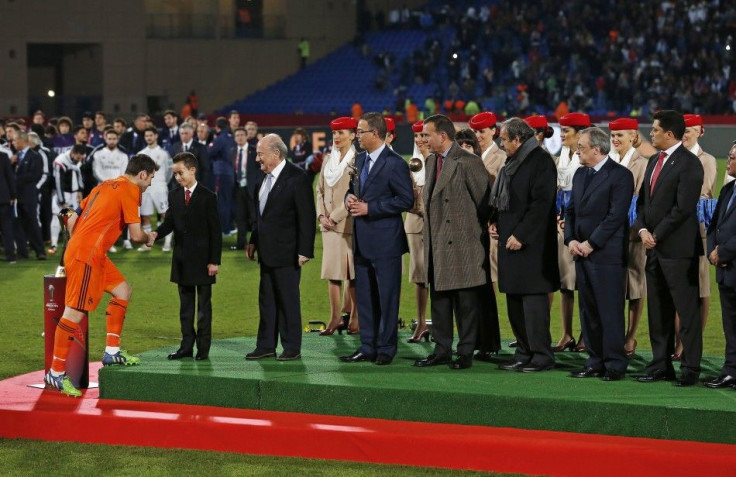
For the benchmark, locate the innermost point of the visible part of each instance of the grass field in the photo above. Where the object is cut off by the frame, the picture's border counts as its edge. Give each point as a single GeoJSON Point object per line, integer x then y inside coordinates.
{"type": "Point", "coordinates": [152, 322]}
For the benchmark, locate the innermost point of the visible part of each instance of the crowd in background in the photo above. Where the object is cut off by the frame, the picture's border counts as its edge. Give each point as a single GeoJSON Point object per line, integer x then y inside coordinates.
{"type": "Point", "coordinates": [53, 163]}
{"type": "Point", "coordinates": [594, 56]}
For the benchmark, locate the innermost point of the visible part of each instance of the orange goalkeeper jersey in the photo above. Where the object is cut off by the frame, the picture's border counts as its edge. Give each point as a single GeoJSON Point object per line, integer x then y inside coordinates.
{"type": "Point", "coordinates": [105, 212]}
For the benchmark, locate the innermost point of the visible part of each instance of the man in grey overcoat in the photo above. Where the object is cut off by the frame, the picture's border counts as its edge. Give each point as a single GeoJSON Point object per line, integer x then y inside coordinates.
{"type": "Point", "coordinates": [456, 242]}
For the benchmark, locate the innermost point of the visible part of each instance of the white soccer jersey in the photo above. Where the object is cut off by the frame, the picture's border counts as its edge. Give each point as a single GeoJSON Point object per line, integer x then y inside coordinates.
{"type": "Point", "coordinates": [162, 158]}
{"type": "Point", "coordinates": [109, 164]}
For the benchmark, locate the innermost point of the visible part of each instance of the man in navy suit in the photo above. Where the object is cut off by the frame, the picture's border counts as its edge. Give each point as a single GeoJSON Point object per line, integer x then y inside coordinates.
{"type": "Point", "coordinates": [283, 235]}
{"type": "Point", "coordinates": [722, 254]}
{"type": "Point", "coordinates": [667, 224]}
{"type": "Point", "coordinates": [596, 234]}
{"type": "Point", "coordinates": [169, 135]}
{"type": "Point", "coordinates": [222, 157]}
{"type": "Point", "coordinates": [380, 192]}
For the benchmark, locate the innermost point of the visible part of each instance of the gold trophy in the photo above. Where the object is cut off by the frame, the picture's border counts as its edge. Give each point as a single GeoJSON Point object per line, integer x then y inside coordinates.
{"type": "Point", "coordinates": [354, 173]}
{"type": "Point", "coordinates": [63, 216]}
{"type": "Point", "coordinates": [415, 164]}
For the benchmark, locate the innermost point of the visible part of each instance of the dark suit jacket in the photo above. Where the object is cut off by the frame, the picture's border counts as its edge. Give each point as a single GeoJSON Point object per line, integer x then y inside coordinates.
{"type": "Point", "coordinates": [722, 233]}
{"type": "Point", "coordinates": [222, 154]}
{"type": "Point", "coordinates": [388, 191]}
{"type": "Point", "coordinates": [7, 180]}
{"type": "Point", "coordinates": [456, 213]}
{"type": "Point", "coordinates": [166, 140]}
{"type": "Point", "coordinates": [253, 173]}
{"type": "Point", "coordinates": [204, 169]}
{"type": "Point", "coordinates": [29, 171]}
{"type": "Point", "coordinates": [671, 212]}
{"type": "Point", "coordinates": [287, 227]}
{"type": "Point", "coordinates": [132, 141]}
{"type": "Point", "coordinates": [197, 235]}
{"type": "Point", "coordinates": [532, 219]}
{"type": "Point", "coordinates": [600, 213]}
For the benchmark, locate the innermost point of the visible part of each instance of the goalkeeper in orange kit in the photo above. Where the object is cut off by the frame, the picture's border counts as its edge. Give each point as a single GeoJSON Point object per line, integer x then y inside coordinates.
{"type": "Point", "coordinates": [95, 227]}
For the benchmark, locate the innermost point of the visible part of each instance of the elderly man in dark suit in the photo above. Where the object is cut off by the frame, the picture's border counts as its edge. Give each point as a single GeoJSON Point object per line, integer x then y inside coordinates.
{"type": "Point", "coordinates": [28, 174]}
{"type": "Point", "coordinates": [722, 254]}
{"type": "Point", "coordinates": [596, 234]}
{"type": "Point", "coordinates": [525, 221]}
{"type": "Point", "coordinates": [380, 192]}
{"type": "Point", "coordinates": [667, 224]}
{"type": "Point", "coordinates": [456, 250]}
{"type": "Point", "coordinates": [283, 235]}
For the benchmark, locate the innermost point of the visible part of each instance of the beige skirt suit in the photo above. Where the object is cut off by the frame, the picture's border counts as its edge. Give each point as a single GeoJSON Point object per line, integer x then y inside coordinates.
{"type": "Point", "coordinates": [414, 227]}
{"type": "Point", "coordinates": [567, 164]}
{"type": "Point", "coordinates": [636, 283]}
{"type": "Point", "coordinates": [710, 169]}
{"type": "Point", "coordinates": [337, 244]}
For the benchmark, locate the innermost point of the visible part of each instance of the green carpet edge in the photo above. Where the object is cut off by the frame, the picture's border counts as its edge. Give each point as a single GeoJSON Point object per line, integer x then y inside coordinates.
{"type": "Point", "coordinates": [632, 419]}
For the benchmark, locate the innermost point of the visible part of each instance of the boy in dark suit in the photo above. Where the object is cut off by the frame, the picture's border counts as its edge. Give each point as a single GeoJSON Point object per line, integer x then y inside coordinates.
{"type": "Point", "coordinates": [193, 218]}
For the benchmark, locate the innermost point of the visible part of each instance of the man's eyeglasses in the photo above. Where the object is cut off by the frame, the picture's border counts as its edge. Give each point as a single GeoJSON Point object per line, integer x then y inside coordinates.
{"type": "Point", "coordinates": [360, 132]}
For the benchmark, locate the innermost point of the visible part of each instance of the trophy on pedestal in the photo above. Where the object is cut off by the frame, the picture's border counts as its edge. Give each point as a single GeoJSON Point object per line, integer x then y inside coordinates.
{"type": "Point", "coordinates": [63, 216]}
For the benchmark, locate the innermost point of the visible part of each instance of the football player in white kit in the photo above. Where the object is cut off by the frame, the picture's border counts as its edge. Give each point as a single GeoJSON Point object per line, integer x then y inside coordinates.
{"type": "Point", "coordinates": [156, 197]}
{"type": "Point", "coordinates": [69, 185]}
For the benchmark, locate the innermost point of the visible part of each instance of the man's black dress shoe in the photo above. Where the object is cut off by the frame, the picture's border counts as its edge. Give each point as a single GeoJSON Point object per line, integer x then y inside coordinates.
{"type": "Point", "coordinates": [686, 380]}
{"type": "Point", "coordinates": [179, 354]}
{"type": "Point", "coordinates": [462, 362]}
{"type": "Point", "coordinates": [657, 375]}
{"type": "Point", "coordinates": [202, 356]}
{"type": "Point", "coordinates": [613, 375]}
{"type": "Point", "coordinates": [432, 360]}
{"type": "Point", "coordinates": [356, 358]}
{"type": "Point", "coordinates": [41, 257]}
{"type": "Point", "coordinates": [534, 368]}
{"type": "Point", "coordinates": [289, 355]}
{"type": "Point", "coordinates": [259, 353]}
{"type": "Point", "coordinates": [587, 373]}
{"type": "Point", "coordinates": [513, 344]}
{"type": "Point", "coordinates": [512, 365]}
{"type": "Point", "coordinates": [383, 359]}
{"type": "Point", "coordinates": [486, 356]}
{"type": "Point", "coordinates": [720, 382]}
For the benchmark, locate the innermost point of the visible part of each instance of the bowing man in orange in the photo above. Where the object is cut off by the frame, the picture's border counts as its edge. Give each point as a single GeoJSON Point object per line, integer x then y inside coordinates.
{"type": "Point", "coordinates": [95, 227]}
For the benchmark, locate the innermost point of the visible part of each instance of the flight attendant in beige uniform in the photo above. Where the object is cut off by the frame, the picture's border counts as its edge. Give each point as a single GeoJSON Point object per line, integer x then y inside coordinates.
{"type": "Point", "coordinates": [336, 225]}
{"type": "Point", "coordinates": [567, 164]}
{"type": "Point", "coordinates": [484, 126]}
{"type": "Point", "coordinates": [541, 128]}
{"type": "Point", "coordinates": [414, 227]}
{"type": "Point", "coordinates": [625, 141]}
{"type": "Point", "coordinates": [693, 130]}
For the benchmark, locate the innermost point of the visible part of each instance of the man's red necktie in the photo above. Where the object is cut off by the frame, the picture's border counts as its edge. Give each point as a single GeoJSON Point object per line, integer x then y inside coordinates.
{"type": "Point", "coordinates": [657, 170]}
{"type": "Point", "coordinates": [187, 196]}
{"type": "Point", "coordinates": [439, 166]}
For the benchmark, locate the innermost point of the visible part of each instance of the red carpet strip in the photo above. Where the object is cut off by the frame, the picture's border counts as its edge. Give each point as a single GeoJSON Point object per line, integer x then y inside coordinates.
{"type": "Point", "coordinates": [30, 413]}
